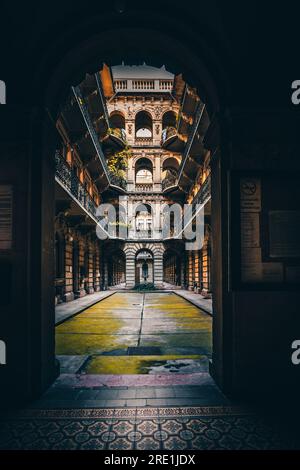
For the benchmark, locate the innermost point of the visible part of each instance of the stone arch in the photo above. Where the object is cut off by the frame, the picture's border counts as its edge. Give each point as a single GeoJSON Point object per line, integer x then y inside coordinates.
{"type": "Point", "coordinates": [169, 119]}
{"type": "Point", "coordinates": [117, 119]}
{"type": "Point", "coordinates": [68, 55]}
{"type": "Point", "coordinates": [131, 249]}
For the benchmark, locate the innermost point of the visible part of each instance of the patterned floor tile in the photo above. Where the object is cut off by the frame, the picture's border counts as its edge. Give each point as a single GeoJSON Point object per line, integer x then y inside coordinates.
{"type": "Point", "coordinates": [168, 428]}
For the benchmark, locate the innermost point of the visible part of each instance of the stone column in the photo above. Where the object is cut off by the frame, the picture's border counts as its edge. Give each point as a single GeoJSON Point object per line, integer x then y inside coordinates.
{"type": "Point", "coordinates": [130, 270]}
{"type": "Point", "coordinates": [130, 251]}
{"type": "Point", "coordinates": [81, 292]}
{"type": "Point", "coordinates": [158, 269]}
{"type": "Point", "coordinates": [69, 294]}
{"type": "Point", "coordinates": [90, 270]}
{"type": "Point", "coordinates": [96, 268]}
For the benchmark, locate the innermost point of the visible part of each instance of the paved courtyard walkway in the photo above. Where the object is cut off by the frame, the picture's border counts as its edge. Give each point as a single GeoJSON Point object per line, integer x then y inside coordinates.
{"type": "Point", "coordinates": [136, 333]}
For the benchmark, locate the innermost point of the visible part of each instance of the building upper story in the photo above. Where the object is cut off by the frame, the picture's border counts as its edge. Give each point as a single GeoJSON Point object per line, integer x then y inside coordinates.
{"type": "Point", "coordinates": [133, 130]}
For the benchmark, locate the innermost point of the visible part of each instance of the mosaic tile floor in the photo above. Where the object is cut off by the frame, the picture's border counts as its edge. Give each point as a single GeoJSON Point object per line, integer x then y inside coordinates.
{"type": "Point", "coordinates": [138, 428]}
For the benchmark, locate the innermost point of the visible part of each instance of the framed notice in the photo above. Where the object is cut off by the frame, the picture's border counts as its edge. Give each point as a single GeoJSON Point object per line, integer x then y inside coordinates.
{"type": "Point", "coordinates": [5, 217]}
{"type": "Point", "coordinates": [250, 194]}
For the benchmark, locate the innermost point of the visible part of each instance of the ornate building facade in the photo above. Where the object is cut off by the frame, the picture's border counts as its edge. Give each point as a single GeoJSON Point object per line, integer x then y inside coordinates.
{"type": "Point", "coordinates": [132, 137]}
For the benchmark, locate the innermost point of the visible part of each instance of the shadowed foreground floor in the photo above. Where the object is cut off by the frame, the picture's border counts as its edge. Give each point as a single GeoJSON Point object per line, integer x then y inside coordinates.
{"type": "Point", "coordinates": [142, 429]}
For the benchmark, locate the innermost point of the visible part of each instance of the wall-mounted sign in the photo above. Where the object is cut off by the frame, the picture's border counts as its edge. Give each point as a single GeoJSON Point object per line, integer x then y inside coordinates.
{"type": "Point", "coordinates": [250, 229]}
{"type": "Point", "coordinates": [284, 234]}
{"type": "Point", "coordinates": [250, 194]}
{"type": "Point", "coordinates": [5, 217]}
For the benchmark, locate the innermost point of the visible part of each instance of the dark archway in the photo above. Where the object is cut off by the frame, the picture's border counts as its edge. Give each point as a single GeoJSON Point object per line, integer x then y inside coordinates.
{"type": "Point", "coordinates": [169, 120]}
{"type": "Point", "coordinates": [71, 63]}
{"type": "Point", "coordinates": [144, 267]}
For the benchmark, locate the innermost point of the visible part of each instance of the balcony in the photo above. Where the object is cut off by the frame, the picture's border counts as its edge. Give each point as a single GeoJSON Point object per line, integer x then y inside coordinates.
{"type": "Point", "coordinates": [115, 138]}
{"type": "Point", "coordinates": [143, 187]}
{"type": "Point", "coordinates": [203, 195]}
{"type": "Point", "coordinates": [92, 134]}
{"type": "Point", "coordinates": [145, 235]}
{"type": "Point", "coordinates": [169, 182]}
{"type": "Point", "coordinates": [188, 166]}
{"type": "Point", "coordinates": [145, 86]}
{"type": "Point", "coordinates": [71, 183]}
{"type": "Point", "coordinates": [171, 140]}
{"type": "Point", "coordinates": [143, 141]}
{"type": "Point", "coordinates": [117, 181]}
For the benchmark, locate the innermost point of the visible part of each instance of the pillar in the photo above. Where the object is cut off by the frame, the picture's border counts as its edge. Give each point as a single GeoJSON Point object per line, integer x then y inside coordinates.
{"type": "Point", "coordinates": [130, 269]}
{"type": "Point", "coordinates": [69, 294]}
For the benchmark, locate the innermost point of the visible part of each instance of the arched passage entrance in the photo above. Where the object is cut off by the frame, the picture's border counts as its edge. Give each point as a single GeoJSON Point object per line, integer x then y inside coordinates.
{"type": "Point", "coordinates": [71, 67]}
{"type": "Point", "coordinates": [144, 267]}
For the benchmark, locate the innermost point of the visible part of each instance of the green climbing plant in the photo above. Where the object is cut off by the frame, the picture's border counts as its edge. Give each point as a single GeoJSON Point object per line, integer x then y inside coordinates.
{"type": "Point", "coordinates": [118, 162]}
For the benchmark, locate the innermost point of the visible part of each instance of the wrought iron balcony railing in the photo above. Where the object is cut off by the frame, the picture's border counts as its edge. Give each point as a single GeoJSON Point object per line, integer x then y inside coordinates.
{"type": "Point", "coordinates": [168, 132]}
{"type": "Point", "coordinates": [203, 194]}
{"type": "Point", "coordinates": [73, 185]}
{"type": "Point", "coordinates": [191, 137]}
{"type": "Point", "coordinates": [168, 182]}
{"type": "Point", "coordinates": [118, 132]}
{"type": "Point", "coordinates": [117, 181]}
{"type": "Point", "coordinates": [90, 127]}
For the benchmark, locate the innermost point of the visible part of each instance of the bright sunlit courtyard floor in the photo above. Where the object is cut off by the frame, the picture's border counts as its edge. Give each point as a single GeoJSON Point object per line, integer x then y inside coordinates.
{"type": "Point", "coordinates": [136, 333]}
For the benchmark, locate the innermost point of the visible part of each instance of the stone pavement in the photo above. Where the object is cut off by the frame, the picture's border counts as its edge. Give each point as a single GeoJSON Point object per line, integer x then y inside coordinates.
{"type": "Point", "coordinates": [68, 309]}
{"type": "Point", "coordinates": [136, 333]}
{"type": "Point", "coordinates": [196, 299]}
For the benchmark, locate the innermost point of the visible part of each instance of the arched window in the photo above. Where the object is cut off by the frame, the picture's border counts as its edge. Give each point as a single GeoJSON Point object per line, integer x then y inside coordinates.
{"type": "Point", "coordinates": [169, 120]}
{"type": "Point", "coordinates": [117, 120]}
{"type": "Point", "coordinates": [143, 125]}
{"type": "Point", "coordinates": [144, 171]}
{"type": "Point", "coordinates": [143, 218]}
{"type": "Point", "coordinates": [170, 168]}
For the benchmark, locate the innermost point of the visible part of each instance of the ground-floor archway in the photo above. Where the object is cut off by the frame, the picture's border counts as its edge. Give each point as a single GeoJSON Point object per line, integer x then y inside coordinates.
{"type": "Point", "coordinates": [144, 267]}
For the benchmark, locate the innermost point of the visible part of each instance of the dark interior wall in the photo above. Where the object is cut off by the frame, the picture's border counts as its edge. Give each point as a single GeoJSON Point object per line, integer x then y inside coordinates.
{"type": "Point", "coordinates": [265, 315]}
{"type": "Point", "coordinates": [14, 263]}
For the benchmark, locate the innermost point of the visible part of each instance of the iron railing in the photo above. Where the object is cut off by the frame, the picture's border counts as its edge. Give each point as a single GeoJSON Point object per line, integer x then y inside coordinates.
{"type": "Point", "coordinates": [73, 185]}
{"type": "Point", "coordinates": [90, 127]}
{"type": "Point", "coordinates": [117, 181]}
{"type": "Point", "coordinates": [203, 194]}
{"type": "Point", "coordinates": [191, 137]}
{"type": "Point", "coordinates": [102, 98]}
{"type": "Point", "coordinates": [118, 132]}
{"type": "Point", "coordinates": [168, 132]}
{"type": "Point", "coordinates": [168, 182]}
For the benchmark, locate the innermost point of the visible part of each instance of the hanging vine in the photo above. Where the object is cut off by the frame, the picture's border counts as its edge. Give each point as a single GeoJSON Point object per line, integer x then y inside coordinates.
{"type": "Point", "coordinates": [118, 162]}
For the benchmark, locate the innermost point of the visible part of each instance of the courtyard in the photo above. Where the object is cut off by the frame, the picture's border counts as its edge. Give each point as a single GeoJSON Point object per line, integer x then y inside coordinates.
{"type": "Point", "coordinates": [136, 333]}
